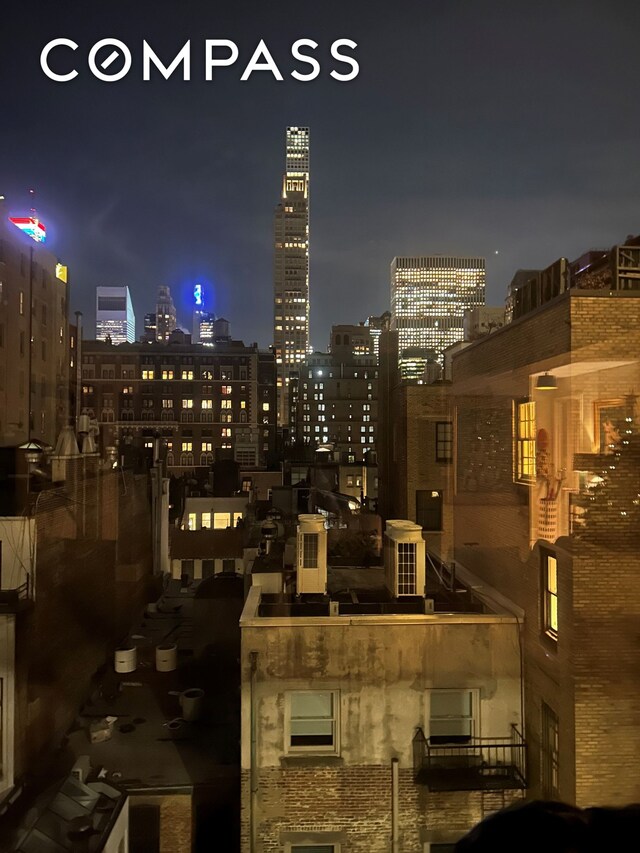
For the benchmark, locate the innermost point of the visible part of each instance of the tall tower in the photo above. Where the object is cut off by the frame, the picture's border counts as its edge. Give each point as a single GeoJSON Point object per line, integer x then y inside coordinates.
{"type": "Point", "coordinates": [291, 266]}
{"type": "Point", "coordinates": [429, 296]}
{"type": "Point", "coordinates": [114, 315]}
{"type": "Point", "coordinates": [166, 320]}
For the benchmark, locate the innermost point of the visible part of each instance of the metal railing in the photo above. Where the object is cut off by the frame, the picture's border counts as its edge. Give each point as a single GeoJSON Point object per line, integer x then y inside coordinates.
{"type": "Point", "coordinates": [477, 764]}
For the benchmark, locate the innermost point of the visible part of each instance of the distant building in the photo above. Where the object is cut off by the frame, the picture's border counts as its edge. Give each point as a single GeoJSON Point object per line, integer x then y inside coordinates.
{"type": "Point", "coordinates": [34, 366]}
{"type": "Point", "coordinates": [150, 328]}
{"type": "Point", "coordinates": [291, 266]}
{"type": "Point", "coordinates": [376, 326]}
{"type": "Point", "coordinates": [166, 320]}
{"type": "Point", "coordinates": [334, 396]}
{"type": "Point", "coordinates": [202, 400]}
{"type": "Point", "coordinates": [213, 329]}
{"type": "Point", "coordinates": [114, 315]}
{"type": "Point", "coordinates": [429, 296]}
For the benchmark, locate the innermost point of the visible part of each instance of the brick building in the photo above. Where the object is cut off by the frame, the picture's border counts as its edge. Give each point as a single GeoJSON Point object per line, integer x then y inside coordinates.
{"type": "Point", "coordinates": [201, 399]}
{"type": "Point", "coordinates": [545, 510]}
{"type": "Point", "coordinates": [333, 399]}
{"type": "Point", "coordinates": [372, 713]}
{"type": "Point", "coordinates": [34, 377]}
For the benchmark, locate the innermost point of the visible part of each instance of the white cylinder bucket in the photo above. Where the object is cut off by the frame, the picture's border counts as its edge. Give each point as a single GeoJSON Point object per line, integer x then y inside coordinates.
{"type": "Point", "coordinates": [166, 657]}
{"type": "Point", "coordinates": [191, 702]}
{"type": "Point", "coordinates": [125, 659]}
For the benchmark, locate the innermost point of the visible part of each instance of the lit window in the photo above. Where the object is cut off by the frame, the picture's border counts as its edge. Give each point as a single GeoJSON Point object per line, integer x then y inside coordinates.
{"type": "Point", "coordinates": [311, 721]}
{"type": "Point", "coordinates": [225, 404]}
{"type": "Point", "coordinates": [147, 374]}
{"type": "Point", "coordinates": [265, 407]}
{"type": "Point", "coordinates": [207, 404]}
{"type": "Point", "coordinates": [187, 404]}
{"type": "Point", "coordinates": [206, 520]}
{"type": "Point", "coordinates": [207, 447]}
{"type": "Point", "coordinates": [187, 374]}
{"type": "Point", "coordinates": [221, 520]}
{"type": "Point", "coordinates": [243, 404]}
{"type": "Point", "coordinates": [167, 374]}
{"type": "Point", "coordinates": [225, 432]}
{"type": "Point", "coordinates": [191, 521]}
{"type": "Point", "coordinates": [167, 404]}
{"type": "Point", "coordinates": [525, 435]}
{"type": "Point", "coordinates": [550, 602]}
{"type": "Point", "coordinates": [187, 446]}
{"type": "Point", "coordinates": [226, 389]}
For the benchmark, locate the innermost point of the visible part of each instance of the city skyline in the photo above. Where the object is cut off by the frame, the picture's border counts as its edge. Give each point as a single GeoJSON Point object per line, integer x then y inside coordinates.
{"type": "Point", "coordinates": [495, 161]}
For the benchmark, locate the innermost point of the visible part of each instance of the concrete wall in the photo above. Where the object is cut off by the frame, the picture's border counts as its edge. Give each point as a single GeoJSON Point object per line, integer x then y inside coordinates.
{"type": "Point", "coordinates": [383, 669]}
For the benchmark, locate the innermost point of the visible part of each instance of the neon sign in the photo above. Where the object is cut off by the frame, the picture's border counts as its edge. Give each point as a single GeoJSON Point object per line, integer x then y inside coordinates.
{"type": "Point", "coordinates": [30, 226]}
{"type": "Point", "coordinates": [198, 295]}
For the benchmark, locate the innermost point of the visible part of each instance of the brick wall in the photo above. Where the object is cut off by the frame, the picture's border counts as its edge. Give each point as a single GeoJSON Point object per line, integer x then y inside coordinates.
{"type": "Point", "coordinates": [355, 802]}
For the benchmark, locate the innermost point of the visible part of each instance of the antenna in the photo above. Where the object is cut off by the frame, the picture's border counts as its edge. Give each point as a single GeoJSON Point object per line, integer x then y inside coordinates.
{"type": "Point", "coordinates": [32, 199]}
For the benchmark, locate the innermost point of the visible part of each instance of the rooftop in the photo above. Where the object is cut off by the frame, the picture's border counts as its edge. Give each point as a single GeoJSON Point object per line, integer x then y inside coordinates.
{"type": "Point", "coordinates": [151, 745]}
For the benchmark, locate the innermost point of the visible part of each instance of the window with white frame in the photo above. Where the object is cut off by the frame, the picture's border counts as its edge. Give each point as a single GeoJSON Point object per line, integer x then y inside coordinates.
{"type": "Point", "coordinates": [452, 716]}
{"type": "Point", "coordinates": [312, 721]}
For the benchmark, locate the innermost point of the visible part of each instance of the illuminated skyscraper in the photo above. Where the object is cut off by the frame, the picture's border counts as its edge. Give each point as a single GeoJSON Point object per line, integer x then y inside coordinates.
{"type": "Point", "coordinates": [429, 296]}
{"type": "Point", "coordinates": [114, 315]}
{"type": "Point", "coordinates": [291, 266]}
{"type": "Point", "coordinates": [165, 314]}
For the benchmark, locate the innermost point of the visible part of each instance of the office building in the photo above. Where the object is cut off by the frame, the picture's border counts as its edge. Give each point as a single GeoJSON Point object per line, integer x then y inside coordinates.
{"type": "Point", "coordinates": [291, 266]}
{"type": "Point", "coordinates": [376, 326]}
{"type": "Point", "coordinates": [429, 296]}
{"type": "Point", "coordinates": [34, 366]}
{"type": "Point", "coordinates": [166, 320]}
{"type": "Point", "coordinates": [114, 315]}
{"type": "Point", "coordinates": [150, 328]}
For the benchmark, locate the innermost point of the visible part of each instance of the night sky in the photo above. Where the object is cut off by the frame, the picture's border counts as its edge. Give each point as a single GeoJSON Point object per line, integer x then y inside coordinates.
{"type": "Point", "coordinates": [474, 127]}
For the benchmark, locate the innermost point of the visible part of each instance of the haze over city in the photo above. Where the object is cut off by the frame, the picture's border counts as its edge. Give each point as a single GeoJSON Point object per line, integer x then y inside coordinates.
{"type": "Point", "coordinates": [471, 129]}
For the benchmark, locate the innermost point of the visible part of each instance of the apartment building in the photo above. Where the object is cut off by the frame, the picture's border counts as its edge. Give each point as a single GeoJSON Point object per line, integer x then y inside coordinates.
{"type": "Point", "coordinates": [333, 399]}
{"type": "Point", "coordinates": [199, 399]}
{"type": "Point", "coordinates": [545, 504]}
{"type": "Point", "coordinates": [380, 709]}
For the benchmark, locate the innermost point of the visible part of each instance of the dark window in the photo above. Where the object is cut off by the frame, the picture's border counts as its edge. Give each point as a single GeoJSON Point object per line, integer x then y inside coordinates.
{"type": "Point", "coordinates": [444, 441]}
{"type": "Point", "coordinates": [144, 829]}
{"type": "Point", "coordinates": [112, 303]}
{"type": "Point", "coordinates": [429, 509]}
{"type": "Point", "coordinates": [187, 568]}
{"type": "Point", "coordinates": [228, 565]}
{"type": "Point", "coordinates": [207, 568]}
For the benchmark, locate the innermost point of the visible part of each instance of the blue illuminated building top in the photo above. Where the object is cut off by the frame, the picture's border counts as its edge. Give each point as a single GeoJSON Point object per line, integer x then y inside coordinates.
{"type": "Point", "coordinates": [198, 296]}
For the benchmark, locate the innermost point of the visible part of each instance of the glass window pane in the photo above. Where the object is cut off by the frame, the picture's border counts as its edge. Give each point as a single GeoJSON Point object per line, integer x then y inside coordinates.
{"type": "Point", "coordinates": [313, 704]}
{"type": "Point", "coordinates": [445, 703]}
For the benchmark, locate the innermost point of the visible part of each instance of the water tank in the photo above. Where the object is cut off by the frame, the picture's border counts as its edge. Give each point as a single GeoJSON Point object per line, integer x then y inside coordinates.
{"type": "Point", "coordinates": [125, 658]}
{"type": "Point", "coordinates": [166, 657]}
